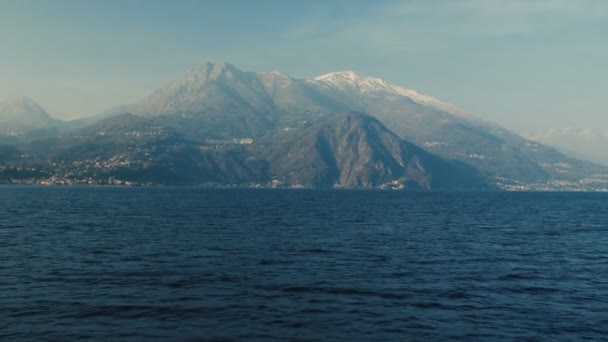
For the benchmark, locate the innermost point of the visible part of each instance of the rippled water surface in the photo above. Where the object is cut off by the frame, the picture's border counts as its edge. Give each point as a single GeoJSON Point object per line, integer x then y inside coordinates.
{"type": "Point", "coordinates": [194, 264]}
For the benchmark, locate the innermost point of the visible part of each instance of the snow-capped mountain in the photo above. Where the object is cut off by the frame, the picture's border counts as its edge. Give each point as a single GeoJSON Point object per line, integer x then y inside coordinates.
{"type": "Point", "coordinates": [217, 85]}
{"type": "Point", "coordinates": [219, 101]}
{"type": "Point", "coordinates": [441, 128]}
{"type": "Point", "coordinates": [212, 86]}
{"type": "Point", "coordinates": [360, 84]}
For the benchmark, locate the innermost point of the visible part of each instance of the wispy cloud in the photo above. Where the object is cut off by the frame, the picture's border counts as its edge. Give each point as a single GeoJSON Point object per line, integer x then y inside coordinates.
{"type": "Point", "coordinates": [409, 26]}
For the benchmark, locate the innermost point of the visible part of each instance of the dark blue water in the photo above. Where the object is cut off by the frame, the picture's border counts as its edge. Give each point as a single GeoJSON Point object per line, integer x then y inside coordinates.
{"type": "Point", "coordinates": [193, 264]}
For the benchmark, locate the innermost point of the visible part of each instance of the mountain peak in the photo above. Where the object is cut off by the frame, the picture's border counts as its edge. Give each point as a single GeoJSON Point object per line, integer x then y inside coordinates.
{"type": "Point", "coordinates": [214, 71]}
{"type": "Point", "coordinates": [219, 66]}
{"type": "Point", "coordinates": [350, 75]}
{"type": "Point", "coordinates": [275, 73]}
{"type": "Point", "coordinates": [353, 80]}
{"type": "Point", "coordinates": [24, 112]}
{"type": "Point", "coordinates": [19, 100]}
{"type": "Point", "coordinates": [21, 104]}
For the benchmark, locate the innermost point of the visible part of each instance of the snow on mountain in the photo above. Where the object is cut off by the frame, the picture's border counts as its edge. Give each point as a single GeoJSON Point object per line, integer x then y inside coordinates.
{"type": "Point", "coordinates": [274, 79]}
{"type": "Point", "coordinates": [354, 80]}
{"type": "Point", "coordinates": [220, 85]}
{"type": "Point", "coordinates": [375, 86]}
{"type": "Point", "coordinates": [217, 101]}
{"type": "Point", "coordinates": [211, 86]}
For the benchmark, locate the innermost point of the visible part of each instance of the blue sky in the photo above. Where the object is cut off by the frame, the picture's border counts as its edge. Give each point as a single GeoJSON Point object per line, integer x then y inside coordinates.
{"type": "Point", "coordinates": [523, 64]}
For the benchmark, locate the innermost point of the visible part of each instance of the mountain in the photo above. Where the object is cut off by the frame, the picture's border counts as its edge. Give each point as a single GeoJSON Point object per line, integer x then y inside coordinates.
{"type": "Point", "coordinates": [354, 150]}
{"type": "Point", "coordinates": [8, 153]}
{"type": "Point", "coordinates": [353, 88]}
{"type": "Point", "coordinates": [220, 125]}
{"type": "Point", "coordinates": [451, 133]}
{"type": "Point", "coordinates": [22, 114]}
{"type": "Point", "coordinates": [584, 143]}
{"type": "Point", "coordinates": [348, 150]}
{"type": "Point", "coordinates": [257, 103]}
{"type": "Point", "coordinates": [227, 102]}
{"type": "Point", "coordinates": [211, 87]}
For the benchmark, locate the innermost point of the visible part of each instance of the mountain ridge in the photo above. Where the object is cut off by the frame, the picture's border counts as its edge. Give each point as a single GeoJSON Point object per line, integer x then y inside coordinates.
{"type": "Point", "coordinates": [216, 104]}
{"type": "Point", "coordinates": [25, 113]}
{"type": "Point", "coordinates": [223, 71]}
{"type": "Point", "coordinates": [348, 150]}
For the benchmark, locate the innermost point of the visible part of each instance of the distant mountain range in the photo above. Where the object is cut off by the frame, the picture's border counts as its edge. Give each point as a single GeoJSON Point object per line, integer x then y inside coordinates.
{"type": "Point", "coordinates": [19, 114]}
{"type": "Point", "coordinates": [221, 126]}
{"type": "Point", "coordinates": [584, 143]}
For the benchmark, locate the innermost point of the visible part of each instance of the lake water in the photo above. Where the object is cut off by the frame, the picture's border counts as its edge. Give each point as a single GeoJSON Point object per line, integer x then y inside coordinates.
{"type": "Point", "coordinates": [196, 264]}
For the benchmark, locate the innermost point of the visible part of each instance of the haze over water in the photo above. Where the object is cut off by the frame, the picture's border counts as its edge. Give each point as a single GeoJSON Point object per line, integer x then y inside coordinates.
{"type": "Point", "coordinates": [187, 263]}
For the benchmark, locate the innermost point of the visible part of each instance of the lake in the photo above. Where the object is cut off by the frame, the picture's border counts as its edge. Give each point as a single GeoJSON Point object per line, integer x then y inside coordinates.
{"type": "Point", "coordinates": [93, 263]}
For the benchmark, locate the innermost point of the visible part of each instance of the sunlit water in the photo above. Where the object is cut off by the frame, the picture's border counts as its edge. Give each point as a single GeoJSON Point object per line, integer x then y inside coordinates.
{"type": "Point", "coordinates": [195, 264]}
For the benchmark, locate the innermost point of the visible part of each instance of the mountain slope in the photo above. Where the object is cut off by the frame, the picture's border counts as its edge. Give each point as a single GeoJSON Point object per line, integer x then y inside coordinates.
{"type": "Point", "coordinates": [217, 100]}
{"type": "Point", "coordinates": [223, 101]}
{"type": "Point", "coordinates": [218, 95]}
{"type": "Point", "coordinates": [228, 126]}
{"type": "Point", "coordinates": [354, 150]}
{"type": "Point", "coordinates": [352, 85]}
{"type": "Point", "coordinates": [587, 144]}
{"type": "Point", "coordinates": [447, 131]}
{"type": "Point", "coordinates": [349, 150]}
{"type": "Point", "coordinates": [213, 86]}
{"type": "Point", "coordinates": [20, 114]}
